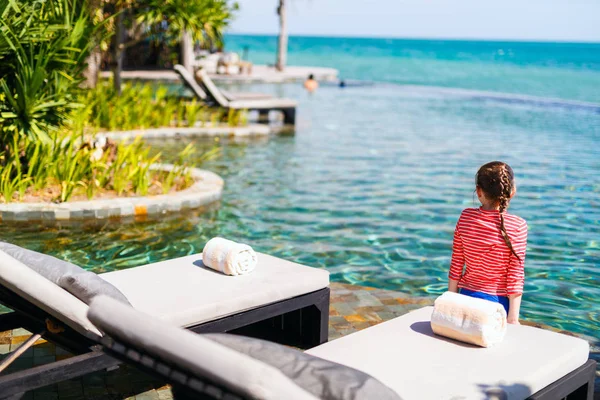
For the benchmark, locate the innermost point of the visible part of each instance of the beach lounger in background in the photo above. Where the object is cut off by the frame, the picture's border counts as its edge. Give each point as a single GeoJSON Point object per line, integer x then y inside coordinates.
{"type": "Point", "coordinates": [217, 63]}
{"type": "Point", "coordinates": [232, 96]}
{"type": "Point", "coordinates": [402, 354]}
{"type": "Point", "coordinates": [209, 64]}
{"type": "Point", "coordinates": [211, 94]}
{"type": "Point", "coordinates": [280, 301]}
{"type": "Point", "coordinates": [232, 60]}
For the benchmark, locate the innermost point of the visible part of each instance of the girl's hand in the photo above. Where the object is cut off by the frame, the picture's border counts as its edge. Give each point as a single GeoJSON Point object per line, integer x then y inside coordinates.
{"type": "Point", "coordinates": [513, 320]}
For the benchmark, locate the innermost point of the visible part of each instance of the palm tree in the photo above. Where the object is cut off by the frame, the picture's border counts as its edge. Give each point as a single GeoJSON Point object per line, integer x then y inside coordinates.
{"type": "Point", "coordinates": [282, 43]}
{"type": "Point", "coordinates": [94, 58]}
{"type": "Point", "coordinates": [187, 50]}
{"type": "Point", "coordinates": [170, 20]}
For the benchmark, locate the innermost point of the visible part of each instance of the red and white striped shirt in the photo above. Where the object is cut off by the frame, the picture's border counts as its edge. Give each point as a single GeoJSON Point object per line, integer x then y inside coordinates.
{"type": "Point", "coordinates": [490, 265]}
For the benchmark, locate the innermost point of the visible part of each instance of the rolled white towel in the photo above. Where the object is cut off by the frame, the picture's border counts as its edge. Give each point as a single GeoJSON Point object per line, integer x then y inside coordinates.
{"type": "Point", "coordinates": [229, 257]}
{"type": "Point", "coordinates": [468, 319]}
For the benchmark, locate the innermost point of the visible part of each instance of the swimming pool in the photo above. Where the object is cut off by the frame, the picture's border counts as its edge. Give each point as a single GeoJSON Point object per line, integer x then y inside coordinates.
{"type": "Point", "coordinates": [370, 188]}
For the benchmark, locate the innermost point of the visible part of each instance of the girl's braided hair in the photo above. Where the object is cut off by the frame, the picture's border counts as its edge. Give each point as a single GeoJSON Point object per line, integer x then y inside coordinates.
{"type": "Point", "coordinates": [497, 181]}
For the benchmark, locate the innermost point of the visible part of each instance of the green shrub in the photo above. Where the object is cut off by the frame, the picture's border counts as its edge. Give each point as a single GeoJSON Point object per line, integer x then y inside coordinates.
{"type": "Point", "coordinates": [75, 166]}
{"type": "Point", "coordinates": [43, 45]}
{"type": "Point", "coordinates": [146, 105]}
{"type": "Point", "coordinates": [46, 147]}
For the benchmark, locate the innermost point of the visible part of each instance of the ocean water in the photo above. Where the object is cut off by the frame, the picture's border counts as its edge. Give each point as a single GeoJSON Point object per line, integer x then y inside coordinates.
{"type": "Point", "coordinates": [375, 177]}
{"type": "Point", "coordinates": [560, 70]}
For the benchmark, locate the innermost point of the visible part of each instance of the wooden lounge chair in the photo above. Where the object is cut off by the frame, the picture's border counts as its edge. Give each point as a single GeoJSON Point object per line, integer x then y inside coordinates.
{"type": "Point", "coordinates": [401, 355]}
{"type": "Point", "coordinates": [201, 92]}
{"type": "Point", "coordinates": [213, 96]}
{"type": "Point", "coordinates": [280, 301]}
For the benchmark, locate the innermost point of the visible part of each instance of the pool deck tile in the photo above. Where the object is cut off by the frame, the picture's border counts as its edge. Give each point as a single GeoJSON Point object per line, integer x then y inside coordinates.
{"type": "Point", "coordinates": [352, 308]}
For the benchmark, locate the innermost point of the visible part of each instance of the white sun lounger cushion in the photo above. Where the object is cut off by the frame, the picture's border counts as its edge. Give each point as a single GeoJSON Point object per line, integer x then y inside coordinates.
{"type": "Point", "coordinates": [44, 294]}
{"type": "Point", "coordinates": [185, 292]}
{"type": "Point", "coordinates": [405, 355]}
{"type": "Point", "coordinates": [192, 353]}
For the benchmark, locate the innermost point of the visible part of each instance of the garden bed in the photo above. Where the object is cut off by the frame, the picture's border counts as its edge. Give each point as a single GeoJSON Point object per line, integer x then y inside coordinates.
{"type": "Point", "coordinates": [207, 189]}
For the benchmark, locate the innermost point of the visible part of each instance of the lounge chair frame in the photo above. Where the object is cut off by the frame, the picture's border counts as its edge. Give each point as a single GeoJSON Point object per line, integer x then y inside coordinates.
{"type": "Point", "coordinates": [301, 321]}
{"type": "Point", "coordinates": [577, 385]}
{"type": "Point", "coordinates": [210, 93]}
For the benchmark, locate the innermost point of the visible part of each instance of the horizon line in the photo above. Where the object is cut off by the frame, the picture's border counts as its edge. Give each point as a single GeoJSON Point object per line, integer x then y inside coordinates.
{"type": "Point", "coordinates": [343, 36]}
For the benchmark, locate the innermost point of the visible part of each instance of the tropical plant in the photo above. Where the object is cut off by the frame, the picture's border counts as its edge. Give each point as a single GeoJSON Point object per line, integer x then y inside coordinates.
{"type": "Point", "coordinates": [78, 165]}
{"type": "Point", "coordinates": [144, 105]}
{"type": "Point", "coordinates": [167, 21]}
{"type": "Point", "coordinates": [44, 149]}
{"type": "Point", "coordinates": [205, 19]}
{"type": "Point", "coordinates": [100, 42]}
{"type": "Point", "coordinates": [43, 45]}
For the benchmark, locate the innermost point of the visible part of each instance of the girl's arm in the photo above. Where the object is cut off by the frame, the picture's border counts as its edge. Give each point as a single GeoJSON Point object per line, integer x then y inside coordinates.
{"type": "Point", "coordinates": [516, 274]}
{"type": "Point", "coordinates": [452, 285]}
{"type": "Point", "coordinates": [458, 261]}
{"type": "Point", "coordinates": [514, 308]}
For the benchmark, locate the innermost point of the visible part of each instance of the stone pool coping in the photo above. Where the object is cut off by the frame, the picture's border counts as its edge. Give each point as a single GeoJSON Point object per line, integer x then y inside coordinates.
{"type": "Point", "coordinates": [207, 189]}
{"type": "Point", "coordinates": [177, 132]}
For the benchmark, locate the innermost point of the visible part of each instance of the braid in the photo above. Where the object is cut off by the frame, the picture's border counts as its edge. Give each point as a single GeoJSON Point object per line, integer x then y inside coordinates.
{"type": "Point", "coordinates": [505, 192]}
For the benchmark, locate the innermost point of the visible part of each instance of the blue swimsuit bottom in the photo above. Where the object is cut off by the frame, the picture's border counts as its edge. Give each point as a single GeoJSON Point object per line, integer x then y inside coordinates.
{"type": "Point", "coordinates": [491, 297]}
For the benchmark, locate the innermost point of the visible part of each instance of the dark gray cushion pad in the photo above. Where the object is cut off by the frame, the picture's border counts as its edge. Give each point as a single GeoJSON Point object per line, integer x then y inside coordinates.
{"type": "Point", "coordinates": [87, 285]}
{"type": "Point", "coordinates": [80, 283]}
{"type": "Point", "coordinates": [324, 379]}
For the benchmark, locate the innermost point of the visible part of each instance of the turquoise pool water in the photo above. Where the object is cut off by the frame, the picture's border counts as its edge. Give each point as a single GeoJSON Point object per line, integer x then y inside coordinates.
{"type": "Point", "coordinates": [370, 188]}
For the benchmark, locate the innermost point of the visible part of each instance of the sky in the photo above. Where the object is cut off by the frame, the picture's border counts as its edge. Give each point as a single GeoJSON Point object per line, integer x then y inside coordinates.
{"type": "Point", "coordinates": [554, 20]}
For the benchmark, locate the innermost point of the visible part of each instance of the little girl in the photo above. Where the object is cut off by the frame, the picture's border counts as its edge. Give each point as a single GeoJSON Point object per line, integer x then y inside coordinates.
{"type": "Point", "coordinates": [491, 243]}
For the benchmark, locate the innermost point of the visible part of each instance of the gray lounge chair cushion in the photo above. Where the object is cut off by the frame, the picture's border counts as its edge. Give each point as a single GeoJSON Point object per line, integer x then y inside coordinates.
{"type": "Point", "coordinates": [33, 287]}
{"type": "Point", "coordinates": [324, 379]}
{"type": "Point", "coordinates": [80, 283]}
{"type": "Point", "coordinates": [87, 285]}
{"type": "Point", "coordinates": [191, 353]}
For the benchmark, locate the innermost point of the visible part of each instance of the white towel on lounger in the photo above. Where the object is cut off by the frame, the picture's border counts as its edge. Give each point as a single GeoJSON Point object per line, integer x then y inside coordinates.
{"type": "Point", "coordinates": [229, 257]}
{"type": "Point", "coordinates": [468, 319]}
